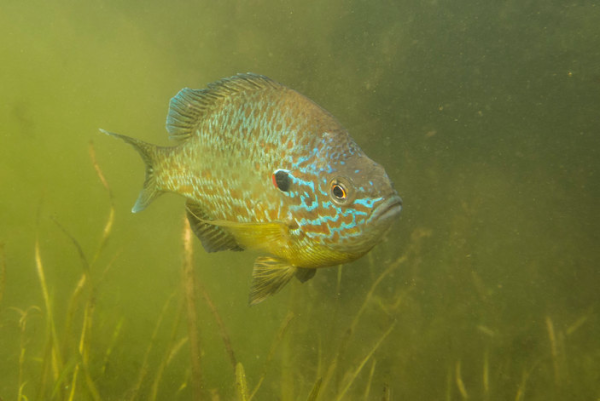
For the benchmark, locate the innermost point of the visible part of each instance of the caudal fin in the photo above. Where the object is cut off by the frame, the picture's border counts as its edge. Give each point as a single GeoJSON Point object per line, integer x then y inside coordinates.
{"type": "Point", "coordinates": [149, 154]}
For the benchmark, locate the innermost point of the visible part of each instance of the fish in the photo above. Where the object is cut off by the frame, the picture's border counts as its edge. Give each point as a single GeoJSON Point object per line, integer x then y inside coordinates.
{"type": "Point", "coordinates": [264, 168]}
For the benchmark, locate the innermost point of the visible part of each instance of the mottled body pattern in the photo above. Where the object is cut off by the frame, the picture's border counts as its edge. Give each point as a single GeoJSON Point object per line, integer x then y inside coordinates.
{"type": "Point", "coordinates": [264, 167]}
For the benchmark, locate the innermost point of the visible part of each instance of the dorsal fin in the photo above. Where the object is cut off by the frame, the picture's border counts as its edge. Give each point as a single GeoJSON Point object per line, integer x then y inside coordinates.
{"type": "Point", "coordinates": [190, 106]}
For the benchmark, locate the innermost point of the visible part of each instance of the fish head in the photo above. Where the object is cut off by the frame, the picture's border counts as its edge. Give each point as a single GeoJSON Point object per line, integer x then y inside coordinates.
{"type": "Point", "coordinates": [339, 198]}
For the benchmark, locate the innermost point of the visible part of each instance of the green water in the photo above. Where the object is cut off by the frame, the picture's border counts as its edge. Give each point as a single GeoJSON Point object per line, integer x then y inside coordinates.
{"type": "Point", "coordinates": [485, 115]}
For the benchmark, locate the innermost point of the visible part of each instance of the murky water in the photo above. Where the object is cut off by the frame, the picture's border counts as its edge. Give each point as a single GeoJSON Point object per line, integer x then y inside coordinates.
{"type": "Point", "coordinates": [484, 115]}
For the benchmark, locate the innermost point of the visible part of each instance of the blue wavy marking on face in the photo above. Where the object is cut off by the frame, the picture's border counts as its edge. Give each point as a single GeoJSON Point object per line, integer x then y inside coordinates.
{"type": "Point", "coordinates": [342, 227]}
{"type": "Point", "coordinates": [343, 212]}
{"type": "Point", "coordinates": [324, 193]}
{"type": "Point", "coordinates": [298, 181]}
{"type": "Point", "coordinates": [303, 159]}
{"type": "Point", "coordinates": [300, 160]}
{"type": "Point", "coordinates": [318, 221]}
{"type": "Point", "coordinates": [308, 207]}
{"type": "Point", "coordinates": [346, 226]}
{"type": "Point", "coordinates": [368, 202]}
{"type": "Point", "coordinates": [307, 202]}
{"type": "Point", "coordinates": [297, 184]}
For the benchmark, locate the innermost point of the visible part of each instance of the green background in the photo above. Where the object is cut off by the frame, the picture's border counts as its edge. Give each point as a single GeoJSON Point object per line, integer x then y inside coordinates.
{"type": "Point", "coordinates": [485, 115]}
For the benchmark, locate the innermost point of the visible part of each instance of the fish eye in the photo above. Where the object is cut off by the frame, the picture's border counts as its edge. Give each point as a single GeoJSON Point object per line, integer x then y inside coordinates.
{"type": "Point", "coordinates": [281, 179]}
{"type": "Point", "coordinates": [340, 191]}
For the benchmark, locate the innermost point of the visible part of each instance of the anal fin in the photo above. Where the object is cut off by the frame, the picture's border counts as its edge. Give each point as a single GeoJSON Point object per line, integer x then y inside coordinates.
{"type": "Point", "coordinates": [213, 238]}
{"type": "Point", "coordinates": [269, 276]}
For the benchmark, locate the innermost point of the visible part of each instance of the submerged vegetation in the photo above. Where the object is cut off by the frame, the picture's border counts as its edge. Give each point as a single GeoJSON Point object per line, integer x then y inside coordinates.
{"type": "Point", "coordinates": [70, 367]}
{"type": "Point", "coordinates": [370, 353]}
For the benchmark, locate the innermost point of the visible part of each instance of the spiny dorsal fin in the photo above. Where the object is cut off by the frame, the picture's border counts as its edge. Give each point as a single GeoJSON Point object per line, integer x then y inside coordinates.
{"type": "Point", "coordinates": [190, 106]}
{"type": "Point", "coordinates": [213, 238]}
{"type": "Point", "coordinates": [268, 277]}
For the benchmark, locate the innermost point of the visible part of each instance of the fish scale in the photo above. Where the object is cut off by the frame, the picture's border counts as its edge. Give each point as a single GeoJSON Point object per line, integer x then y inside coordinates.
{"type": "Point", "coordinates": [263, 167]}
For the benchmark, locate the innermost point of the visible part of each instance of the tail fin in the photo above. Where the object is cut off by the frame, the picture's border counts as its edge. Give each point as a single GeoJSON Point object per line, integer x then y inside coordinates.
{"type": "Point", "coordinates": [149, 154]}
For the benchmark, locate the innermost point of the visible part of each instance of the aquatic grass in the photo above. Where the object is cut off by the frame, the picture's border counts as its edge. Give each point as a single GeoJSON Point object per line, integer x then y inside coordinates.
{"type": "Point", "coordinates": [111, 345]}
{"type": "Point", "coordinates": [387, 392]}
{"type": "Point", "coordinates": [52, 361]}
{"type": "Point", "coordinates": [85, 283]}
{"type": "Point", "coordinates": [225, 337]}
{"type": "Point", "coordinates": [84, 350]}
{"type": "Point", "coordinates": [189, 279]}
{"type": "Point", "coordinates": [191, 288]}
{"type": "Point", "coordinates": [553, 349]}
{"type": "Point", "coordinates": [24, 316]}
{"type": "Point", "coordinates": [350, 361]}
{"type": "Point", "coordinates": [134, 392]}
{"type": "Point", "coordinates": [173, 347]}
{"type": "Point", "coordinates": [460, 384]}
{"type": "Point", "coordinates": [78, 372]}
{"type": "Point", "coordinates": [314, 393]}
{"type": "Point", "coordinates": [526, 373]}
{"type": "Point", "coordinates": [111, 211]}
{"type": "Point", "coordinates": [417, 237]}
{"type": "Point", "coordinates": [360, 366]}
{"type": "Point", "coordinates": [240, 382]}
{"type": "Point", "coordinates": [56, 376]}
{"type": "Point", "coordinates": [370, 380]}
{"type": "Point", "coordinates": [274, 345]}
{"type": "Point", "coordinates": [486, 375]}
{"type": "Point", "coordinates": [2, 272]}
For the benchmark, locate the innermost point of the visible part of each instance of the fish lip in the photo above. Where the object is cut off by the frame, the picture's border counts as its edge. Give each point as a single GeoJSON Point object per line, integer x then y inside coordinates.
{"type": "Point", "coordinates": [390, 208]}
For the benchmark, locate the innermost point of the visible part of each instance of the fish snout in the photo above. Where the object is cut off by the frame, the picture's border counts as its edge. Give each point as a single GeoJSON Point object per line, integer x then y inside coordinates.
{"type": "Point", "coordinates": [388, 209]}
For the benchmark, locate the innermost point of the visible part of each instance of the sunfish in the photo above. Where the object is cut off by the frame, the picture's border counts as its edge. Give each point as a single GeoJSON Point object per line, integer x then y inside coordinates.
{"type": "Point", "coordinates": [263, 167]}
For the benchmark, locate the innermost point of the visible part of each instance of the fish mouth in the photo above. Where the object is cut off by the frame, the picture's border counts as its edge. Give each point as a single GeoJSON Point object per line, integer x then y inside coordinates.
{"type": "Point", "coordinates": [388, 209]}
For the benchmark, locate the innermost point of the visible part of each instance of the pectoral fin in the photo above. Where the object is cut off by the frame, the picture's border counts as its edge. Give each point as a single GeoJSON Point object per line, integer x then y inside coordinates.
{"type": "Point", "coordinates": [269, 276]}
{"type": "Point", "coordinates": [213, 238]}
{"type": "Point", "coordinates": [219, 235]}
{"type": "Point", "coordinates": [256, 235]}
{"type": "Point", "coordinates": [303, 274]}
